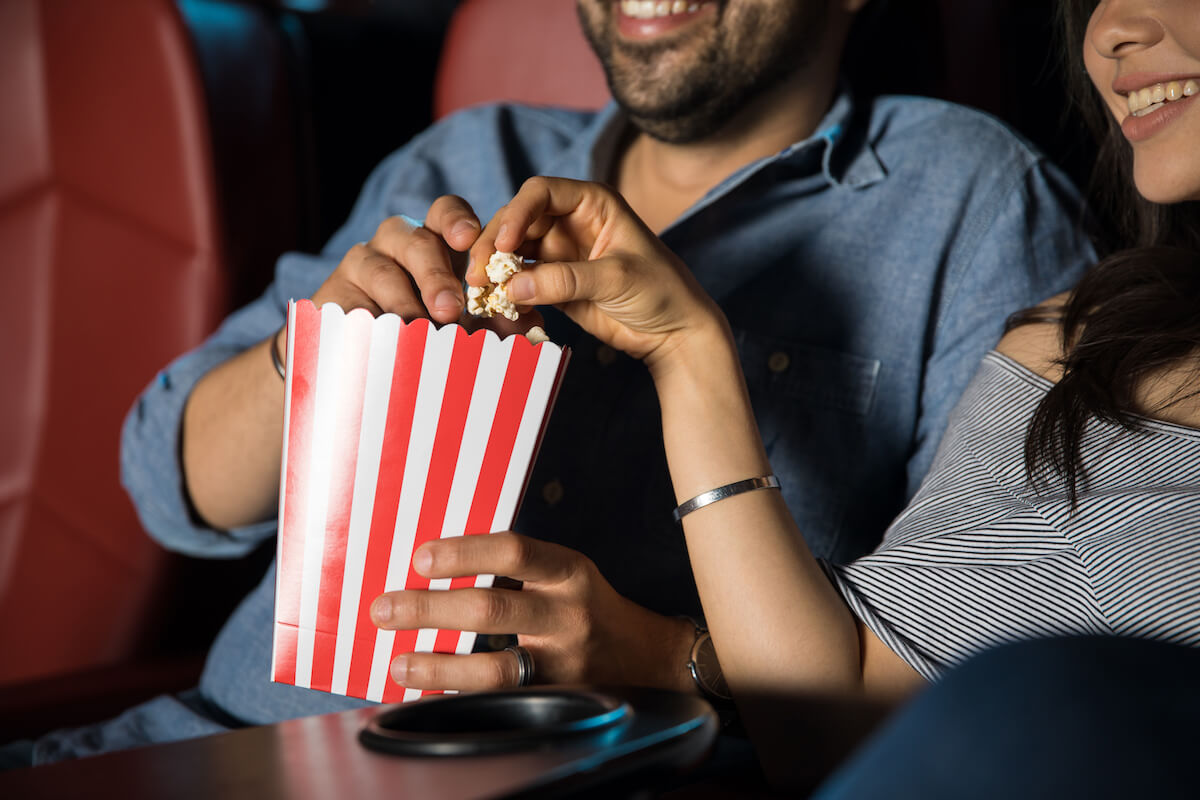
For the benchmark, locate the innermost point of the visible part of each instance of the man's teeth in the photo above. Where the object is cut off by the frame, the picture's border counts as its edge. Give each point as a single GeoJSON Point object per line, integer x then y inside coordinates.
{"type": "Point", "coordinates": [648, 9]}
{"type": "Point", "coordinates": [1152, 98]}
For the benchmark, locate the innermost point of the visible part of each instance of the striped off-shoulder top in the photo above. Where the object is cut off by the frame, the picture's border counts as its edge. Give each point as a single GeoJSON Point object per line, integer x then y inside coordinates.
{"type": "Point", "coordinates": [980, 557]}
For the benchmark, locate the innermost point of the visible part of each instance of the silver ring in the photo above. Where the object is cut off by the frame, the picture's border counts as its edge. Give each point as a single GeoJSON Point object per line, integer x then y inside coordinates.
{"type": "Point", "coordinates": [524, 664]}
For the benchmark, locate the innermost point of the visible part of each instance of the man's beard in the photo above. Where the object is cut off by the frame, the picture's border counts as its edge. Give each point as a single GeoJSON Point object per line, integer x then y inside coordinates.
{"type": "Point", "coordinates": [685, 97]}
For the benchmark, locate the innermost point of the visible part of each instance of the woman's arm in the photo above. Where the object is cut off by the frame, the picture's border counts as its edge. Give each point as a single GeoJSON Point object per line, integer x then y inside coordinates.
{"type": "Point", "coordinates": [750, 560]}
{"type": "Point", "coordinates": [777, 622]}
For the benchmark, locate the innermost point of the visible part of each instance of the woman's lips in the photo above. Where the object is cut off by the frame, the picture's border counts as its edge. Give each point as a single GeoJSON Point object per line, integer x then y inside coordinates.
{"type": "Point", "coordinates": [1137, 129]}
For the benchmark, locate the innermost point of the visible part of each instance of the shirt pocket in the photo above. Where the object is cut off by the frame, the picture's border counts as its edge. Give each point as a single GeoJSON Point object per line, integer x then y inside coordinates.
{"type": "Point", "coordinates": [812, 405]}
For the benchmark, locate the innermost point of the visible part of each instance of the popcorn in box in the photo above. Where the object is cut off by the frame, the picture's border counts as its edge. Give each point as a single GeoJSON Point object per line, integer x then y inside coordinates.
{"type": "Point", "coordinates": [394, 434]}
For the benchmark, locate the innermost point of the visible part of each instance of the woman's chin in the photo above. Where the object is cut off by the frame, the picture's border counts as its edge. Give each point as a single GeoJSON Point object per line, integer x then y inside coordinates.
{"type": "Point", "coordinates": [1166, 189]}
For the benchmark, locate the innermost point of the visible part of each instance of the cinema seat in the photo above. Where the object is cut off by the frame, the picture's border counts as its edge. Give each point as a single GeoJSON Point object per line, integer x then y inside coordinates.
{"type": "Point", "coordinates": [524, 51]}
{"type": "Point", "coordinates": [112, 265]}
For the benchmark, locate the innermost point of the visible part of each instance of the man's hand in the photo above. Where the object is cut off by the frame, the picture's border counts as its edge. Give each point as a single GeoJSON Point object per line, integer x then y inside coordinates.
{"type": "Point", "coordinates": [577, 628]}
{"type": "Point", "coordinates": [405, 270]}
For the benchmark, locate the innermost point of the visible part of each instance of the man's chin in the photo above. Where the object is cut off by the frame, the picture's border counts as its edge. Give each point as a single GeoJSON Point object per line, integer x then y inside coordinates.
{"type": "Point", "coordinates": [673, 113]}
{"type": "Point", "coordinates": [662, 93]}
{"type": "Point", "coordinates": [677, 128]}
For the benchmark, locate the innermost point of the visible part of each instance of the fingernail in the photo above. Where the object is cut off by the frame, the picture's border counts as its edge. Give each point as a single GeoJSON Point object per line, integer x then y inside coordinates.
{"type": "Point", "coordinates": [381, 610]}
{"type": "Point", "coordinates": [520, 287]}
{"type": "Point", "coordinates": [500, 233]}
{"type": "Point", "coordinates": [399, 669]}
{"type": "Point", "coordinates": [448, 301]}
{"type": "Point", "coordinates": [416, 223]}
{"type": "Point", "coordinates": [462, 229]}
{"type": "Point", "coordinates": [422, 561]}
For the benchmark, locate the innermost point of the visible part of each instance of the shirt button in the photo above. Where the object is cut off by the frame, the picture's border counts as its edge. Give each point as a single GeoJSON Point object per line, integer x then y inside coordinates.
{"type": "Point", "coordinates": [778, 361]}
{"type": "Point", "coordinates": [552, 492]}
{"type": "Point", "coordinates": [605, 354]}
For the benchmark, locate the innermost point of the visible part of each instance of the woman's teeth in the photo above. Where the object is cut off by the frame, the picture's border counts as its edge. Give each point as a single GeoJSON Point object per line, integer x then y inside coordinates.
{"type": "Point", "coordinates": [648, 9]}
{"type": "Point", "coordinates": [1152, 98]}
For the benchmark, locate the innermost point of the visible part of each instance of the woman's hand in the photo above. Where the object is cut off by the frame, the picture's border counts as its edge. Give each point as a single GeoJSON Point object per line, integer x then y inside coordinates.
{"type": "Point", "coordinates": [601, 265]}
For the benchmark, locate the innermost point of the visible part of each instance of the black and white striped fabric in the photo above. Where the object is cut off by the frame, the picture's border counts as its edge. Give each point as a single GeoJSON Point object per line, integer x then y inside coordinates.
{"type": "Point", "coordinates": [979, 557]}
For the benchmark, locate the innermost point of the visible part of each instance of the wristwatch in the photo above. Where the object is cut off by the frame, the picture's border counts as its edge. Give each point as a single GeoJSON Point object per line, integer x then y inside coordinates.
{"type": "Point", "coordinates": [706, 670]}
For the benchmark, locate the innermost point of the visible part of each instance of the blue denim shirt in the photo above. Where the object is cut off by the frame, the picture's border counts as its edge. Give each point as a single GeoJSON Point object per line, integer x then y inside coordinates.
{"type": "Point", "coordinates": [865, 271]}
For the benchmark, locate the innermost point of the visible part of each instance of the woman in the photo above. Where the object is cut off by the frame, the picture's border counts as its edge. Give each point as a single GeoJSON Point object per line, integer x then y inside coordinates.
{"type": "Point", "coordinates": [1066, 493]}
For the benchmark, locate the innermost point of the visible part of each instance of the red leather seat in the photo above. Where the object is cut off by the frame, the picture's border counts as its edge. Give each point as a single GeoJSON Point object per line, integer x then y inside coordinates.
{"type": "Point", "coordinates": [485, 57]}
{"type": "Point", "coordinates": [113, 265]}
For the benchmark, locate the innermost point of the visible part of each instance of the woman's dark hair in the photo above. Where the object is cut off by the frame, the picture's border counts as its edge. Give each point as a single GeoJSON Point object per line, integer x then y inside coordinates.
{"type": "Point", "coordinates": [1136, 314]}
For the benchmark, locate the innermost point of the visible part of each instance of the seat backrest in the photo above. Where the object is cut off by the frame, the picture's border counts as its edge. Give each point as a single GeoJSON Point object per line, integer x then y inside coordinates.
{"type": "Point", "coordinates": [486, 57]}
{"type": "Point", "coordinates": [112, 266]}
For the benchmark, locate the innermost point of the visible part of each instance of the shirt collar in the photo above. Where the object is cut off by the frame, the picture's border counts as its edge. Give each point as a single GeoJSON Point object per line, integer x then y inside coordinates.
{"type": "Point", "coordinates": [847, 157]}
{"type": "Point", "coordinates": [590, 156]}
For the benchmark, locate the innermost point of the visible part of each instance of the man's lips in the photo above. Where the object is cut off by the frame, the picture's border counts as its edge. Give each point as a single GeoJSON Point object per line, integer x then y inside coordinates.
{"type": "Point", "coordinates": [645, 25]}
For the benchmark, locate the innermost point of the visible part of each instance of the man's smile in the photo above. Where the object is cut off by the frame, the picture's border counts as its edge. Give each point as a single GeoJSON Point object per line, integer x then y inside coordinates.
{"type": "Point", "coordinates": [642, 20]}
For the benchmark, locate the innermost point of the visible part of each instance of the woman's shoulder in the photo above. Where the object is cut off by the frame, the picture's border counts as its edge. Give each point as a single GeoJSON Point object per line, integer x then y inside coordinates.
{"type": "Point", "coordinates": [1169, 395]}
{"type": "Point", "coordinates": [1038, 345]}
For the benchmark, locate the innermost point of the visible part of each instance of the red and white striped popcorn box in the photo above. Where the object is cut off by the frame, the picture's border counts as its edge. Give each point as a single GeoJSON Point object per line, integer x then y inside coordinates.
{"type": "Point", "coordinates": [394, 434]}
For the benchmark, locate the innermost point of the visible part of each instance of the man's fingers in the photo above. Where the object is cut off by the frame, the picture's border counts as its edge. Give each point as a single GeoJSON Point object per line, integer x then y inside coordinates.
{"type": "Point", "coordinates": [480, 610]}
{"type": "Point", "coordinates": [423, 254]}
{"type": "Point", "coordinates": [426, 259]}
{"type": "Point", "coordinates": [454, 220]}
{"type": "Point", "coordinates": [511, 554]}
{"type": "Point", "coordinates": [467, 673]}
{"type": "Point", "coordinates": [384, 284]}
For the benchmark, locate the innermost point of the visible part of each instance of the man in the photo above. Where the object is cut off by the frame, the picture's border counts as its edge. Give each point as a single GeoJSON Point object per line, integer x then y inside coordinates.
{"type": "Point", "coordinates": [866, 254]}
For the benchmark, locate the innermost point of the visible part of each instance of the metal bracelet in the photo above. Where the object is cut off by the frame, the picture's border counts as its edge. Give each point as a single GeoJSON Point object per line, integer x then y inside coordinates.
{"type": "Point", "coordinates": [275, 357]}
{"type": "Point", "coordinates": [722, 492]}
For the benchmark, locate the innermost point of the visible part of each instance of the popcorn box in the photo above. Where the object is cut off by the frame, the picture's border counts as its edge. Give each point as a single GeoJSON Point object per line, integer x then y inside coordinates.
{"type": "Point", "coordinates": [394, 434]}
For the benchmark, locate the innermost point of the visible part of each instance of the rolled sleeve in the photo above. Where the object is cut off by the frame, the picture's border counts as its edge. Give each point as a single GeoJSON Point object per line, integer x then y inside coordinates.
{"type": "Point", "coordinates": [1033, 248]}
{"type": "Point", "coordinates": [151, 437]}
{"type": "Point", "coordinates": [151, 469]}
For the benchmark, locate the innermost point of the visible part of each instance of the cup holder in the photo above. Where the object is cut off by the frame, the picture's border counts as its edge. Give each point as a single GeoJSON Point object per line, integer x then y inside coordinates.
{"type": "Point", "coordinates": [491, 722]}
